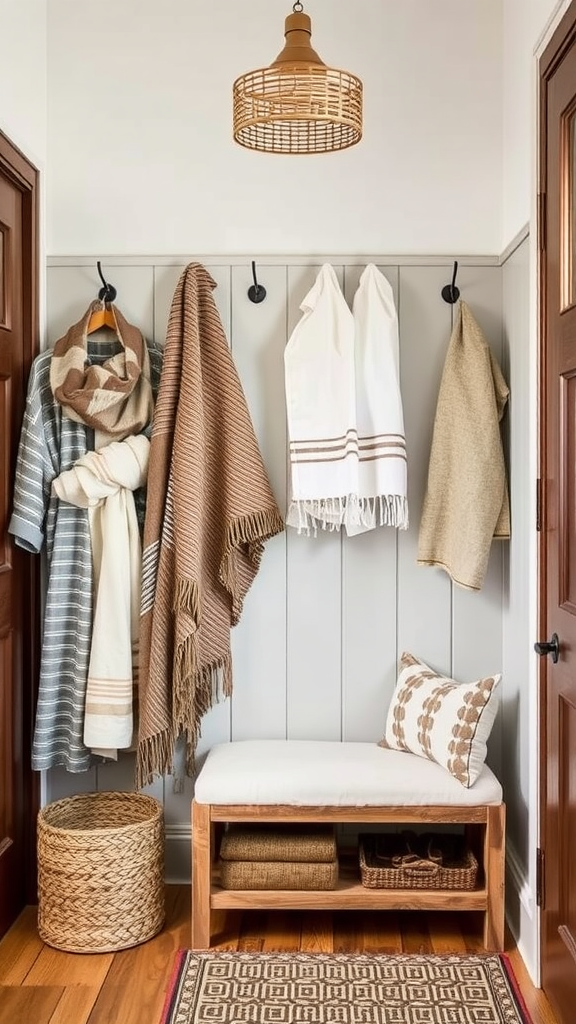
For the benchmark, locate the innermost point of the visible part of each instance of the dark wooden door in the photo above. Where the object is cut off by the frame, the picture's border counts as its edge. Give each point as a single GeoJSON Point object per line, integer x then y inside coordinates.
{"type": "Point", "coordinates": [558, 536]}
{"type": "Point", "coordinates": [18, 617]}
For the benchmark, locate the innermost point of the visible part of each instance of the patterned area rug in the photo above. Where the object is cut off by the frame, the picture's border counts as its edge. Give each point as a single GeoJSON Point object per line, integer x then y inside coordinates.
{"type": "Point", "coordinates": [330, 988]}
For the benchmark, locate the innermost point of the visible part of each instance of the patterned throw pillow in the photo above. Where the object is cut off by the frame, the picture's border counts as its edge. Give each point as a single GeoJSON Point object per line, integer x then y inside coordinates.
{"type": "Point", "coordinates": [438, 718]}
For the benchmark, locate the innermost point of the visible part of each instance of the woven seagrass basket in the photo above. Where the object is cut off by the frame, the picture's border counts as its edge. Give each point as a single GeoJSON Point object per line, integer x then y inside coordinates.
{"type": "Point", "coordinates": [100, 871]}
{"type": "Point", "coordinates": [407, 861]}
{"type": "Point", "coordinates": [310, 844]}
{"type": "Point", "coordinates": [252, 874]}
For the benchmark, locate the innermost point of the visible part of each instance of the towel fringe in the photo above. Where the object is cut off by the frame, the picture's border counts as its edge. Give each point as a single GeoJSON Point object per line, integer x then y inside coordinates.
{"type": "Point", "coordinates": [351, 511]}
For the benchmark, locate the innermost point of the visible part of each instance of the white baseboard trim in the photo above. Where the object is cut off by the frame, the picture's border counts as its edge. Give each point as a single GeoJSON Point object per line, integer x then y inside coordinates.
{"type": "Point", "coordinates": [522, 912]}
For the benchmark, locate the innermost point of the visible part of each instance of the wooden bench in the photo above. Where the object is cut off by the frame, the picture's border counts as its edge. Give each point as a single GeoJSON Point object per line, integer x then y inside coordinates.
{"type": "Point", "coordinates": [289, 781]}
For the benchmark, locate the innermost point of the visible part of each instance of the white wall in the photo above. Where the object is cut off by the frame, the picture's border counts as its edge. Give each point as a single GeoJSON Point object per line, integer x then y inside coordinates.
{"type": "Point", "coordinates": [141, 157]}
{"type": "Point", "coordinates": [23, 106]}
{"type": "Point", "coordinates": [524, 24]}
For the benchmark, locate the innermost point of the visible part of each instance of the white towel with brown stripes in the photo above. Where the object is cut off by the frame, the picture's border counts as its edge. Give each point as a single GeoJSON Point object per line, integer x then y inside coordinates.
{"type": "Point", "coordinates": [345, 422]}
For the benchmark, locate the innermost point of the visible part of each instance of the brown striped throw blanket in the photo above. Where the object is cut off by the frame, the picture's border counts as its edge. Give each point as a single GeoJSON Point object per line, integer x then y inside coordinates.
{"type": "Point", "coordinates": [209, 511]}
{"type": "Point", "coordinates": [114, 398]}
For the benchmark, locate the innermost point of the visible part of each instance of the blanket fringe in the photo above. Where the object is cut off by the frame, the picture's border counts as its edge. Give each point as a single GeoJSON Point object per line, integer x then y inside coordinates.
{"type": "Point", "coordinates": [250, 533]}
{"type": "Point", "coordinates": [187, 597]}
{"type": "Point", "coordinates": [154, 757]}
{"type": "Point", "coordinates": [195, 694]}
{"type": "Point", "coordinates": [206, 687]}
{"type": "Point", "coordinates": [349, 511]}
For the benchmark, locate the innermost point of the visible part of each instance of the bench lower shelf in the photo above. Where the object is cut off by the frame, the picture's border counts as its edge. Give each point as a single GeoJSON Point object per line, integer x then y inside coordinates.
{"type": "Point", "coordinates": [486, 830]}
{"type": "Point", "coordinates": [347, 897]}
{"type": "Point", "coordinates": [349, 894]}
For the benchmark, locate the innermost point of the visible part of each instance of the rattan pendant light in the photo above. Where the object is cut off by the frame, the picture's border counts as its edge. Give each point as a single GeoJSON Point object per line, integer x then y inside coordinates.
{"type": "Point", "coordinates": [298, 104]}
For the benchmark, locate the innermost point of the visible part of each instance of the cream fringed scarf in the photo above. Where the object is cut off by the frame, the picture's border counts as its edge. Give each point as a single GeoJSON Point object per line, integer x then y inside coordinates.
{"type": "Point", "coordinates": [345, 421]}
{"type": "Point", "coordinates": [115, 398]}
{"type": "Point", "coordinates": [209, 511]}
{"type": "Point", "coordinates": [103, 482]}
{"type": "Point", "coordinates": [466, 503]}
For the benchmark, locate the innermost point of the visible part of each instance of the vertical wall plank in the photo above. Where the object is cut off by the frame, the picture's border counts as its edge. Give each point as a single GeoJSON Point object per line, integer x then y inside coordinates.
{"type": "Point", "coordinates": [520, 696]}
{"type": "Point", "coordinates": [477, 617]}
{"type": "Point", "coordinates": [60, 783]}
{"type": "Point", "coordinates": [368, 607]}
{"type": "Point", "coordinates": [120, 776]}
{"type": "Point", "coordinates": [314, 597]}
{"type": "Point", "coordinates": [259, 640]}
{"type": "Point", "coordinates": [424, 593]}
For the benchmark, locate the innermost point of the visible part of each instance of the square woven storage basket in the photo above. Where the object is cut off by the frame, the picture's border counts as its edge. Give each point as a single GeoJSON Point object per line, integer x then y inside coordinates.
{"type": "Point", "coordinates": [253, 874]}
{"type": "Point", "coordinates": [406, 861]}
{"type": "Point", "coordinates": [100, 871]}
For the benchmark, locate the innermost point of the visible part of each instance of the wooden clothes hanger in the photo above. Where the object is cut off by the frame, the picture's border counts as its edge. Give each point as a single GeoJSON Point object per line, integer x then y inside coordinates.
{"type": "Point", "coordinates": [103, 317]}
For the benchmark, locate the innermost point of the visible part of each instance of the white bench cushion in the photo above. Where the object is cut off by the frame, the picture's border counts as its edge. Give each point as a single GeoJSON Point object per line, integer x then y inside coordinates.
{"type": "Point", "coordinates": [324, 772]}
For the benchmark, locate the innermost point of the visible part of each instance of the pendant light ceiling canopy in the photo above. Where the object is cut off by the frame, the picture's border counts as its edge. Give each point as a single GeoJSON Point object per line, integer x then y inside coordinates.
{"type": "Point", "coordinates": [298, 104]}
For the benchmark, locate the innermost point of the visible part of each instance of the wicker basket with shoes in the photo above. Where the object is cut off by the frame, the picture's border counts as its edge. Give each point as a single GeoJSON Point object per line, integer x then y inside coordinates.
{"type": "Point", "coordinates": [407, 861]}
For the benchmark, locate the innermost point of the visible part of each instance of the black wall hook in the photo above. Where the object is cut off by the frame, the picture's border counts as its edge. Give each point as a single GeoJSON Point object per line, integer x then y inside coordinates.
{"type": "Point", "coordinates": [256, 292]}
{"type": "Point", "coordinates": [108, 292]}
{"type": "Point", "coordinates": [450, 293]}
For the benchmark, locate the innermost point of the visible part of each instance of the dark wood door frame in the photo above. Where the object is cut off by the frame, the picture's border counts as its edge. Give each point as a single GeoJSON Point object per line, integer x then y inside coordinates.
{"type": "Point", "coordinates": [24, 176]}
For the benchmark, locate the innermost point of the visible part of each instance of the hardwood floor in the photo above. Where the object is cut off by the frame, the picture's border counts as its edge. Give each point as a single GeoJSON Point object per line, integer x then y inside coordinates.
{"type": "Point", "coordinates": [39, 985]}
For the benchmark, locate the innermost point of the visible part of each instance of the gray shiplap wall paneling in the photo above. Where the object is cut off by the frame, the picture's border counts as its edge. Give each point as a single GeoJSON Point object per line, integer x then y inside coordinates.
{"type": "Point", "coordinates": [314, 601]}
{"type": "Point", "coordinates": [369, 613]}
{"type": "Point", "coordinates": [259, 640]}
{"type": "Point", "coordinates": [424, 594]}
{"type": "Point", "coordinates": [315, 652]}
{"type": "Point", "coordinates": [477, 617]}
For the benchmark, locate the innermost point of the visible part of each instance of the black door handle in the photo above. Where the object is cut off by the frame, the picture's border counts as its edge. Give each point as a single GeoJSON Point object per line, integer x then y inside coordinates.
{"type": "Point", "coordinates": [549, 647]}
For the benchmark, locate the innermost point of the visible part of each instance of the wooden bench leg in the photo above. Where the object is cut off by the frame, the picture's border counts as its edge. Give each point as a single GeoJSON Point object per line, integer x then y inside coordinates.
{"type": "Point", "coordinates": [494, 856]}
{"type": "Point", "coordinates": [201, 875]}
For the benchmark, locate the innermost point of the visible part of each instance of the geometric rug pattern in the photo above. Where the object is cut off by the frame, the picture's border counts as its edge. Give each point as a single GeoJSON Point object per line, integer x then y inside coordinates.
{"type": "Point", "coordinates": [333, 988]}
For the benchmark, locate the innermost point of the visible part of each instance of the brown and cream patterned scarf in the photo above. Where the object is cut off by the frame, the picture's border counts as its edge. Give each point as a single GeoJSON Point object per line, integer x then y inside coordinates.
{"type": "Point", "coordinates": [115, 398]}
{"type": "Point", "coordinates": [209, 511]}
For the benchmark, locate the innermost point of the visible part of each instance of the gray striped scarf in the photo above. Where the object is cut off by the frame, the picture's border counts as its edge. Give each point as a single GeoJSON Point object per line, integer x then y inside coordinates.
{"type": "Point", "coordinates": [209, 511]}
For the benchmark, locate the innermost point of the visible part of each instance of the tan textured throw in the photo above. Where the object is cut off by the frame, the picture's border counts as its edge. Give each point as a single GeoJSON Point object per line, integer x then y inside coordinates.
{"type": "Point", "coordinates": [114, 398]}
{"type": "Point", "coordinates": [209, 511]}
{"type": "Point", "coordinates": [313, 844]}
{"type": "Point", "coordinates": [466, 504]}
